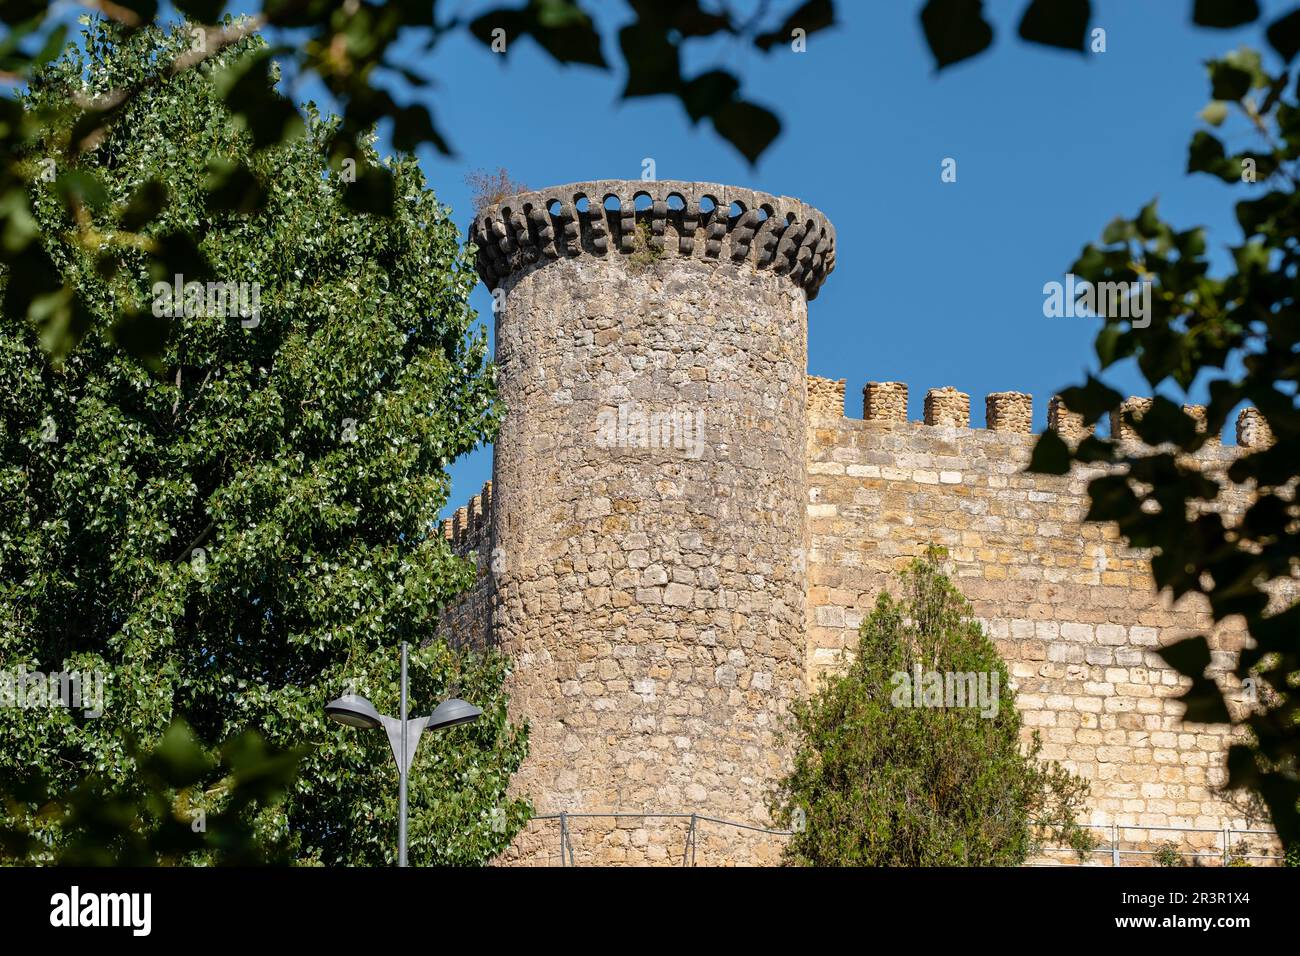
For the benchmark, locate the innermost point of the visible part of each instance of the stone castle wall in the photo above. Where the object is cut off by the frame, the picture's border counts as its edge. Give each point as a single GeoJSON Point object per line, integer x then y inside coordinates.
{"type": "Point", "coordinates": [468, 622]}
{"type": "Point", "coordinates": [684, 531]}
{"type": "Point", "coordinates": [1071, 610]}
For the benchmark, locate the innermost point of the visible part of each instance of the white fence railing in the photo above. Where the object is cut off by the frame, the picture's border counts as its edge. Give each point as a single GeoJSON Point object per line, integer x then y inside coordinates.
{"type": "Point", "coordinates": [1231, 846]}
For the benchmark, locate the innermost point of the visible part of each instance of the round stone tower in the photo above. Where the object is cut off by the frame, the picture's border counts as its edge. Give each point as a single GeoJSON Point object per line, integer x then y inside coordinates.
{"type": "Point", "coordinates": [648, 515]}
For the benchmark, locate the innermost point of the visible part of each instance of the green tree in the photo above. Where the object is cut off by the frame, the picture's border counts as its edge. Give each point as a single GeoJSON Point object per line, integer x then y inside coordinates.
{"type": "Point", "coordinates": [880, 781]}
{"type": "Point", "coordinates": [1236, 335]}
{"type": "Point", "coordinates": [241, 531]}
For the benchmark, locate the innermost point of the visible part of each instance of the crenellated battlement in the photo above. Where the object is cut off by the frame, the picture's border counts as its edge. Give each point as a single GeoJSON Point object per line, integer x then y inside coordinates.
{"type": "Point", "coordinates": [1009, 412]}
{"type": "Point", "coordinates": [1252, 429]}
{"type": "Point", "coordinates": [946, 407]}
{"type": "Point", "coordinates": [825, 396]}
{"type": "Point", "coordinates": [706, 221]}
{"type": "Point", "coordinates": [467, 527]}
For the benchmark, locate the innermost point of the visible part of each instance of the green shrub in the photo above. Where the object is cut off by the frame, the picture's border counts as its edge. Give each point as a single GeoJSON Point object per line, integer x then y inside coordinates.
{"type": "Point", "coordinates": [1166, 854]}
{"type": "Point", "coordinates": [879, 781]}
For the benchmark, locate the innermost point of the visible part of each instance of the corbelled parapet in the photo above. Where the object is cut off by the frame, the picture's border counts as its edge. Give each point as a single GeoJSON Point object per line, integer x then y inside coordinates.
{"type": "Point", "coordinates": [1009, 412]}
{"type": "Point", "coordinates": [825, 395]}
{"type": "Point", "coordinates": [1252, 429]}
{"type": "Point", "coordinates": [1069, 425]}
{"type": "Point", "coordinates": [706, 221]}
{"type": "Point", "coordinates": [947, 406]}
{"type": "Point", "coordinates": [884, 401]}
{"type": "Point", "coordinates": [1121, 419]}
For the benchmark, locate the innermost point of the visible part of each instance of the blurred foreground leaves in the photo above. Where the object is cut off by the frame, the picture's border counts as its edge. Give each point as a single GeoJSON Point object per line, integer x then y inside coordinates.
{"type": "Point", "coordinates": [185, 805]}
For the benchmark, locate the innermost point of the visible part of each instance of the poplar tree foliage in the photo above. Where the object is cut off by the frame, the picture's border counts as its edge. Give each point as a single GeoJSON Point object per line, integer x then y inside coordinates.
{"type": "Point", "coordinates": [1237, 336]}
{"type": "Point", "coordinates": [245, 529]}
{"type": "Point", "coordinates": [878, 781]}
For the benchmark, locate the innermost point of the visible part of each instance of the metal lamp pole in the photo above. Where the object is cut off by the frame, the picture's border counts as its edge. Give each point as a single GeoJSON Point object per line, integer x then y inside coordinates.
{"type": "Point", "coordinates": [403, 733]}
{"type": "Point", "coordinates": [401, 771]}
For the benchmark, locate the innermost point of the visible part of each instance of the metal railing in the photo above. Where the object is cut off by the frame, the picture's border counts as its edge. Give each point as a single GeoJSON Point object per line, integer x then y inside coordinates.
{"type": "Point", "coordinates": [1115, 851]}
{"type": "Point", "coordinates": [1224, 853]}
{"type": "Point", "coordinates": [688, 849]}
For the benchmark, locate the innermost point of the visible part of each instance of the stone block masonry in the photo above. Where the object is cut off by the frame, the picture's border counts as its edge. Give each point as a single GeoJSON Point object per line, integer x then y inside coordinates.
{"type": "Point", "coordinates": [1072, 611]}
{"type": "Point", "coordinates": [648, 488]}
{"type": "Point", "coordinates": [947, 406]}
{"type": "Point", "coordinates": [1009, 412]}
{"type": "Point", "coordinates": [684, 530]}
{"type": "Point", "coordinates": [467, 622]}
{"type": "Point", "coordinates": [884, 401]}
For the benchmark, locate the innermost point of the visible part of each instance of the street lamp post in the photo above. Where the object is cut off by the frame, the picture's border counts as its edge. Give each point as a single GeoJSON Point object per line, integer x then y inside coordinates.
{"type": "Point", "coordinates": [354, 710]}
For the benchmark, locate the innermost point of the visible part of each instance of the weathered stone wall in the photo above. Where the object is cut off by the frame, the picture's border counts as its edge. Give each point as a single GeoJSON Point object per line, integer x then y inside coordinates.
{"type": "Point", "coordinates": [1072, 611]}
{"type": "Point", "coordinates": [468, 622]}
{"type": "Point", "coordinates": [684, 531]}
{"type": "Point", "coordinates": [647, 516]}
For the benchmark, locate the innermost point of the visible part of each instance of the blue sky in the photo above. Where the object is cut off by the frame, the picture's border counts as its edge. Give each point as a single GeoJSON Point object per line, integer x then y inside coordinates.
{"type": "Point", "coordinates": [936, 283]}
